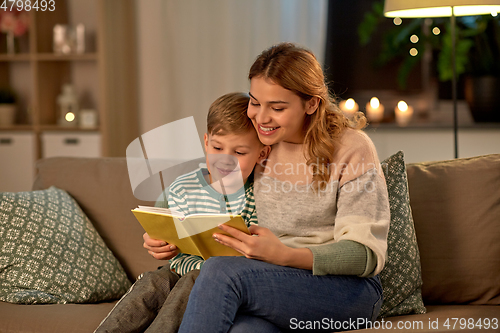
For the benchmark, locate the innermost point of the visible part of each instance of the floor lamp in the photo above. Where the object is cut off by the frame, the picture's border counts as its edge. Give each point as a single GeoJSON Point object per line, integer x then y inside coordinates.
{"type": "Point", "coordinates": [443, 8]}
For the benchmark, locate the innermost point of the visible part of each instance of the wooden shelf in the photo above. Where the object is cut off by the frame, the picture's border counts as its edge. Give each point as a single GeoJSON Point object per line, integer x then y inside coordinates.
{"type": "Point", "coordinates": [37, 75]}
{"type": "Point", "coordinates": [15, 57]}
{"type": "Point", "coordinates": [42, 128]}
{"type": "Point", "coordinates": [47, 57]}
{"type": "Point", "coordinates": [66, 128]}
{"type": "Point", "coordinates": [17, 128]}
{"type": "Point", "coordinates": [66, 57]}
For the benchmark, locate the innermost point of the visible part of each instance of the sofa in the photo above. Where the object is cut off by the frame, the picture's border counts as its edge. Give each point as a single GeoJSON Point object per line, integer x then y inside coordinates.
{"type": "Point", "coordinates": [456, 212]}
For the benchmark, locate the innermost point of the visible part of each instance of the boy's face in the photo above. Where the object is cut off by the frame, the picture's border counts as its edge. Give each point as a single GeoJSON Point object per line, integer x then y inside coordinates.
{"type": "Point", "coordinates": [238, 154]}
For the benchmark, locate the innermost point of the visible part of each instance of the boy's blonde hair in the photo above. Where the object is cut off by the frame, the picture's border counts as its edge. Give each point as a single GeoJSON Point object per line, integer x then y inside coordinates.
{"type": "Point", "coordinates": [228, 115]}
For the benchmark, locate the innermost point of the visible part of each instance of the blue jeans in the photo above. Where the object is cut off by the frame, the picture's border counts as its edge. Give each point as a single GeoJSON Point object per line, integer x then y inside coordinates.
{"type": "Point", "coordinates": [235, 293]}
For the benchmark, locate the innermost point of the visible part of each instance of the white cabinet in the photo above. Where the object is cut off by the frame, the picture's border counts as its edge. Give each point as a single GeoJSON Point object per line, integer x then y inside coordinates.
{"type": "Point", "coordinates": [17, 160]}
{"type": "Point", "coordinates": [434, 144]}
{"type": "Point", "coordinates": [71, 144]}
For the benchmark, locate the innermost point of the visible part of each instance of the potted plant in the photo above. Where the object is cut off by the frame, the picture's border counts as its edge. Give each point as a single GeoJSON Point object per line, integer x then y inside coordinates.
{"type": "Point", "coordinates": [7, 107]}
{"type": "Point", "coordinates": [477, 53]}
{"type": "Point", "coordinates": [482, 84]}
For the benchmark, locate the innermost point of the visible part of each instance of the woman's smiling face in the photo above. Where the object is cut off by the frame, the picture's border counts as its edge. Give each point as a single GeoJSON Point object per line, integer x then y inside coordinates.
{"type": "Point", "coordinates": [278, 114]}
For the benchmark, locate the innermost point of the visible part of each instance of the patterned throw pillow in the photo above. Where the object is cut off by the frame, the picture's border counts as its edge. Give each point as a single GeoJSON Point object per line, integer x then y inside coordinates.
{"type": "Point", "coordinates": [51, 253]}
{"type": "Point", "coordinates": [401, 277]}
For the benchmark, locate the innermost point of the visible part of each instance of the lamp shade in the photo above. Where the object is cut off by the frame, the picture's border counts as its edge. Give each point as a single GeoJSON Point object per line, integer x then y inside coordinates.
{"type": "Point", "coordinates": [439, 8]}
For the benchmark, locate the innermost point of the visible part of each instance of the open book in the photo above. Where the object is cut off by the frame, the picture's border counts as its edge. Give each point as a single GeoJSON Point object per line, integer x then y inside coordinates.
{"type": "Point", "coordinates": [191, 234]}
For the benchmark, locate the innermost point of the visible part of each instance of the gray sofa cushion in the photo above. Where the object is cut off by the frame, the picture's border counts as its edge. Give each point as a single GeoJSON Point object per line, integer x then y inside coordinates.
{"type": "Point", "coordinates": [102, 189]}
{"type": "Point", "coordinates": [51, 253]}
{"type": "Point", "coordinates": [401, 277]}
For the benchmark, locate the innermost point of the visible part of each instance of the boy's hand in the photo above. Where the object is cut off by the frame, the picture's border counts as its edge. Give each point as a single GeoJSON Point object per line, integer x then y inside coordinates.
{"type": "Point", "coordinates": [159, 249]}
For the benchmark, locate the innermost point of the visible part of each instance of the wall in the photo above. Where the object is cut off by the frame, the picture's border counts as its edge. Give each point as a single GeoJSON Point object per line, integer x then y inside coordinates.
{"type": "Point", "coordinates": [149, 59]}
{"type": "Point", "coordinates": [192, 51]}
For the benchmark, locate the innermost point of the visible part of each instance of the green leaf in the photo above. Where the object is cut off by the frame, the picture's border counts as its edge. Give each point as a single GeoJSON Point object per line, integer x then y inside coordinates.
{"type": "Point", "coordinates": [445, 58]}
{"type": "Point", "coordinates": [370, 22]}
{"type": "Point", "coordinates": [367, 27]}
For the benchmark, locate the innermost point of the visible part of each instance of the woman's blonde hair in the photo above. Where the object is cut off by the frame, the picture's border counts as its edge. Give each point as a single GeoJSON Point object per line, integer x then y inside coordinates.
{"type": "Point", "coordinates": [297, 69]}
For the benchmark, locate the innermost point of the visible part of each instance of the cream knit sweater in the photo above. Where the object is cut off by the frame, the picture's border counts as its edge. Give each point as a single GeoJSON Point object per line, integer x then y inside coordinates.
{"type": "Point", "coordinates": [345, 225]}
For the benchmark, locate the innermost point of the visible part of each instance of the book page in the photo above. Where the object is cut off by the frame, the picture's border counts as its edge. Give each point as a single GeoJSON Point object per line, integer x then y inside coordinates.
{"type": "Point", "coordinates": [160, 210]}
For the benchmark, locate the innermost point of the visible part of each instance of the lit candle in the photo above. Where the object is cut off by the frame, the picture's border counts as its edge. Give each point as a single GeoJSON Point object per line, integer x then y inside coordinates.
{"type": "Point", "coordinates": [375, 110]}
{"type": "Point", "coordinates": [349, 107]}
{"type": "Point", "coordinates": [403, 113]}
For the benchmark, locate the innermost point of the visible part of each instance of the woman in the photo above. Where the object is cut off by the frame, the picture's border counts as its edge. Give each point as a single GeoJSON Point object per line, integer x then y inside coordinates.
{"type": "Point", "coordinates": [323, 215]}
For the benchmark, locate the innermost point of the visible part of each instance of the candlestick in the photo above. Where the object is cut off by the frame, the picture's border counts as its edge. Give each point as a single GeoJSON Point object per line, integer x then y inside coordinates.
{"type": "Point", "coordinates": [88, 119]}
{"type": "Point", "coordinates": [375, 110]}
{"type": "Point", "coordinates": [349, 107]}
{"type": "Point", "coordinates": [403, 113]}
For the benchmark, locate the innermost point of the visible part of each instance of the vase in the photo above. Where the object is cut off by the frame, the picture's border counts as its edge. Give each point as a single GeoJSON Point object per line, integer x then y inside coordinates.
{"type": "Point", "coordinates": [7, 114]}
{"type": "Point", "coordinates": [482, 94]}
{"type": "Point", "coordinates": [11, 43]}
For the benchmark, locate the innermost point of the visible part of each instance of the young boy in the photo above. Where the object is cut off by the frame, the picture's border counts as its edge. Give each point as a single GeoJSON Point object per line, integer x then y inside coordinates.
{"type": "Point", "coordinates": [232, 148]}
{"type": "Point", "coordinates": [157, 300]}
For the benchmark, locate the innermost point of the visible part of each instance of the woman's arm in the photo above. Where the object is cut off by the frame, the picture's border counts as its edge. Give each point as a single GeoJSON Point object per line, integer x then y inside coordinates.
{"type": "Point", "coordinates": [363, 217]}
{"type": "Point", "coordinates": [264, 245]}
{"type": "Point", "coordinates": [341, 258]}
{"type": "Point", "coordinates": [355, 233]}
{"type": "Point", "coordinates": [344, 257]}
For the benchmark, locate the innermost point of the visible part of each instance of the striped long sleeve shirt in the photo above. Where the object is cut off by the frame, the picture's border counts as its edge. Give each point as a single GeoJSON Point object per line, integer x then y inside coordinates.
{"type": "Point", "coordinates": [192, 194]}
